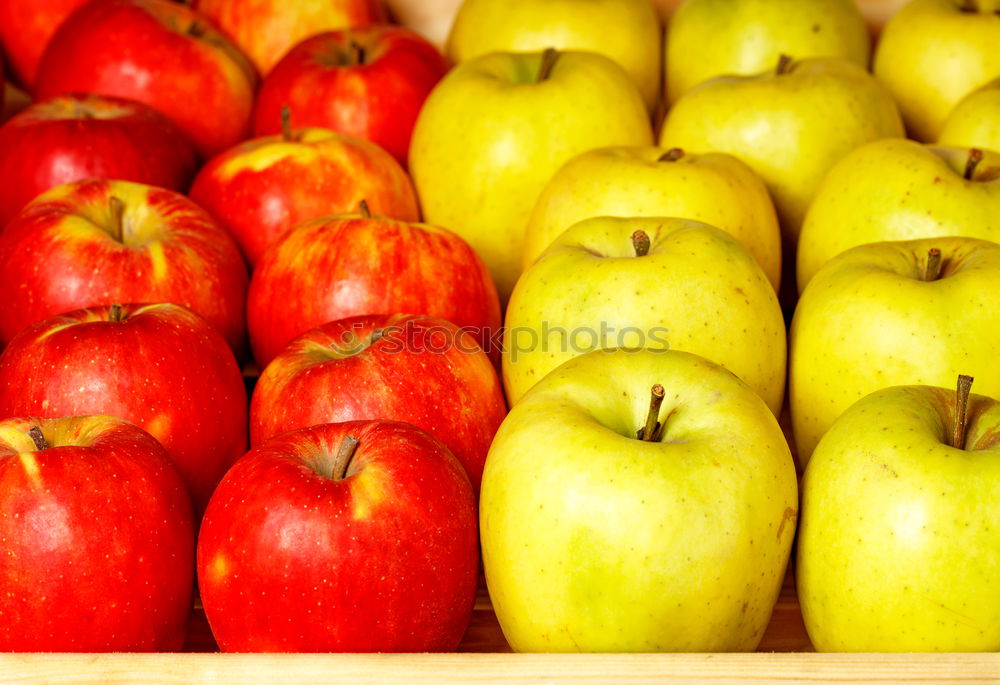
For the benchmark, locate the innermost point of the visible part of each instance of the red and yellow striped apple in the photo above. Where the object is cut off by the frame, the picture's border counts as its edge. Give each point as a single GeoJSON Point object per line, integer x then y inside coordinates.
{"type": "Point", "coordinates": [342, 537]}
{"type": "Point", "coordinates": [418, 369]}
{"type": "Point", "coordinates": [159, 366]}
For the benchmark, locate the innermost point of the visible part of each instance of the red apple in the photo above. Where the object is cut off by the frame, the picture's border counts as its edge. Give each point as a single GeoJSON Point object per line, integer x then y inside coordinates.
{"type": "Point", "coordinates": [267, 29]}
{"type": "Point", "coordinates": [310, 546]}
{"type": "Point", "coordinates": [418, 369]}
{"type": "Point", "coordinates": [97, 538]}
{"type": "Point", "coordinates": [336, 267]}
{"type": "Point", "coordinates": [73, 137]}
{"type": "Point", "coordinates": [159, 366]}
{"type": "Point", "coordinates": [265, 186]}
{"type": "Point", "coordinates": [25, 30]}
{"type": "Point", "coordinates": [158, 52]}
{"type": "Point", "coordinates": [96, 242]}
{"type": "Point", "coordinates": [367, 82]}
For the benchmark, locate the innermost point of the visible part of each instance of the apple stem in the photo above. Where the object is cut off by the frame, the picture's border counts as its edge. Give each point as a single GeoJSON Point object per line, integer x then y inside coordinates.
{"type": "Point", "coordinates": [650, 430]}
{"type": "Point", "coordinates": [357, 52]}
{"type": "Point", "coordinates": [975, 157]}
{"type": "Point", "coordinates": [784, 62]}
{"type": "Point", "coordinates": [961, 411]}
{"type": "Point", "coordinates": [932, 268]}
{"type": "Point", "coordinates": [35, 433]}
{"type": "Point", "coordinates": [286, 123]}
{"type": "Point", "coordinates": [671, 155]}
{"type": "Point", "coordinates": [364, 210]}
{"type": "Point", "coordinates": [640, 242]}
{"type": "Point", "coordinates": [197, 29]}
{"type": "Point", "coordinates": [549, 58]}
{"type": "Point", "coordinates": [377, 335]}
{"type": "Point", "coordinates": [116, 313]}
{"type": "Point", "coordinates": [342, 461]}
{"type": "Point", "coordinates": [117, 208]}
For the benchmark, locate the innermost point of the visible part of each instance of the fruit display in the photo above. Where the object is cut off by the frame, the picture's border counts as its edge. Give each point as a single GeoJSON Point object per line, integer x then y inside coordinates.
{"type": "Point", "coordinates": [641, 331]}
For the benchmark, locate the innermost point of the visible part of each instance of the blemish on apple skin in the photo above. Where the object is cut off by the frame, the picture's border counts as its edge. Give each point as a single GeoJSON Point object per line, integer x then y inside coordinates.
{"type": "Point", "coordinates": [789, 515]}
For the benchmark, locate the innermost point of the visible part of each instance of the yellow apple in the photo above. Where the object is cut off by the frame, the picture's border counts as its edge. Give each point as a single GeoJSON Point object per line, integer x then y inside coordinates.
{"type": "Point", "coordinates": [627, 31]}
{"type": "Point", "coordinates": [900, 190]}
{"type": "Point", "coordinates": [790, 124]}
{"type": "Point", "coordinates": [648, 282]}
{"type": "Point", "coordinates": [932, 53]}
{"type": "Point", "coordinates": [890, 313]}
{"type": "Point", "coordinates": [898, 548]}
{"type": "Point", "coordinates": [708, 38]}
{"type": "Point", "coordinates": [975, 120]}
{"type": "Point", "coordinates": [717, 189]}
{"type": "Point", "coordinates": [497, 127]}
{"type": "Point", "coordinates": [613, 523]}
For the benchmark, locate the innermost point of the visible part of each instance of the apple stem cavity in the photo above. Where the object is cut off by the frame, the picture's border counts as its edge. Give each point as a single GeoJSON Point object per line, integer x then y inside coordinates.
{"type": "Point", "coordinates": [975, 157]}
{"type": "Point", "coordinates": [640, 242]}
{"type": "Point", "coordinates": [549, 58]}
{"type": "Point", "coordinates": [357, 52]}
{"type": "Point", "coordinates": [932, 268]}
{"type": "Point", "coordinates": [345, 453]}
{"type": "Point", "coordinates": [671, 155]}
{"type": "Point", "coordinates": [286, 124]}
{"type": "Point", "coordinates": [784, 62]}
{"type": "Point", "coordinates": [116, 313]}
{"type": "Point", "coordinates": [117, 207]}
{"type": "Point", "coordinates": [651, 429]}
{"type": "Point", "coordinates": [35, 433]}
{"type": "Point", "coordinates": [364, 209]}
{"type": "Point", "coordinates": [961, 411]}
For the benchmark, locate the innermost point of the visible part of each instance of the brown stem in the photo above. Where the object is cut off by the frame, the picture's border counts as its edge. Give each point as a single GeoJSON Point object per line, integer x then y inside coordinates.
{"type": "Point", "coordinates": [975, 157]}
{"type": "Point", "coordinates": [35, 433]}
{"type": "Point", "coordinates": [549, 58]}
{"type": "Point", "coordinates": [932, 268]}
{"type": "Point", "coordinates": [357, 52]}
{"type": "Point", "coordinates": [671, 155]}
{"type": "Point", "coordinates": [649, 431]}
{"type": "Point", "coordinates": [784, 62]}
{"type": "Point", "coordinates": [117, 207]}
{"type": "Point", "coordinates": [377, 335]}
{"type": "Point", "coordinates": [286, 124]}
{"type": "Point", "coordinates": [364, 210]}
{"type": "Point", "coordinates": [342, 461]}
{"type": "Point", "coordinates": [116, 313]}
{"type": "Point", "coordinates": [961, 411]}
{"type": "Point", "coordinates": [640, 242]}
{"type": "Point", "coordinates": [197, 29]}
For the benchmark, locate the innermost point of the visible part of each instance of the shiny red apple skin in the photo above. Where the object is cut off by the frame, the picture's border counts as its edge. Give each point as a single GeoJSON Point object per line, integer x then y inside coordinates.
{"type": "Point", "coordinates": [265, 186]}
{"type": "Point", "coordinates": [158, 52]}
{"type": "Point", "coordinates": [419, 369]}
{"type": "Point", "coordinates": [58, 254]}
{"type": "Point", "coordinates": [69, 138]}
{"type": "Point", "coordinates": [25, 31]}
{"type": "Point", "coordinates": [336, 267]}
{"type": "Point", "coordinates": [386, 559]}
{"type": "Point", "coordinates": [267, 29]}
{"type": "Point", "coordinates": [367, 82]}
{"type": "Point", "coordinates": [161, 367]}
{"type": "Point", "coordinates": [98, 539]}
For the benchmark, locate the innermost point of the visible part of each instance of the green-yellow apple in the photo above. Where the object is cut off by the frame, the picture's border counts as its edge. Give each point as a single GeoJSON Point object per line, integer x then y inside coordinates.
{"type": "Point", "coordinates": [900, 190]}
{"type": "Point", "coordinates": [646, 282]}
{"type": "Point", "coordinates": [627, 31]}
{"type": "Point", "coordinates": [975, 120]}
{"type": "Point", "coordinates": [497, 127]}
{"type": "Point", "coordinates": [892, 313]}
{"type": "Point", "coordinates": [709, 38]}
{"type": "Point", "coordinates": [610, 522]}
{"type": "Point", "coordinates": [791, 124]}
{"type": "Point", "coordinates": [898, 546]}
{"type": "Point", "coordinates": [932, 53]}
{"type": "Point", "coordinates": [718, 189]}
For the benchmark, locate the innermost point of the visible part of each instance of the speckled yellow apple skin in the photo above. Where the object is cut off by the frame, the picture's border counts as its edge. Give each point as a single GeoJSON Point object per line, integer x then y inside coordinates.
{"type": "Point", "coordinates": [715, 188]}
{"type": "Point", "coordinates": [868, 321]}
{"type": "Point", "coordinates": [975, 120]}
{"type": "Point", "coordinates": [898, 546]}
{"type": "Point", "coordinates": [596, 541]}
{"type": "Point", "coordinates": [790, 127]}
{"type": "Point", "coordinates": [698, 290]}
{"type": "Point", "coordinates": [898, 189]}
